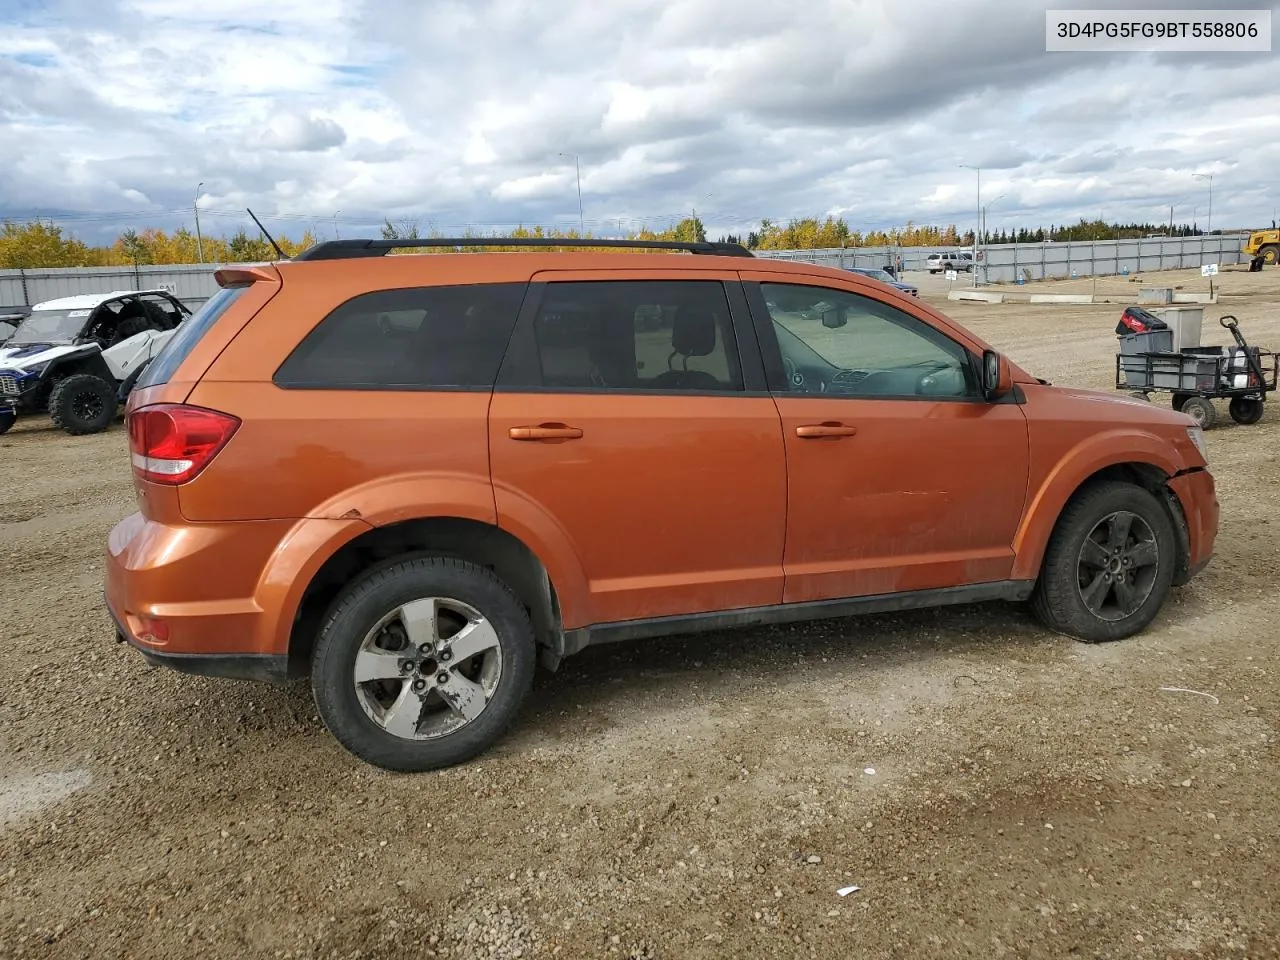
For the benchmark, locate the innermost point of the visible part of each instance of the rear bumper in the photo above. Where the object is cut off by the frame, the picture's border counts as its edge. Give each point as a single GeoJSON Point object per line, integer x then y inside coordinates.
{"type": "Point", "coordinates": [214, 599]}
{"type": "Point", "coordinates": [263, 667]}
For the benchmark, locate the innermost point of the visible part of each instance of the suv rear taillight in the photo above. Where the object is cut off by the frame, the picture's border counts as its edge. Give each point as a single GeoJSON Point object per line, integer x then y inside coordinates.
{"type": "Point", "coordinates": [171, 443]}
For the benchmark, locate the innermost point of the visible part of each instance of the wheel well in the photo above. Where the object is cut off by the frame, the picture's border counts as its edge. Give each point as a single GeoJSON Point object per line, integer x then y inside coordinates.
{"type": "Point", "coordinates": [93, 364]}
{"type": "Point", "coordinates": [480, 543]}
{"type": "Point", "coordinates": [1155, 481]}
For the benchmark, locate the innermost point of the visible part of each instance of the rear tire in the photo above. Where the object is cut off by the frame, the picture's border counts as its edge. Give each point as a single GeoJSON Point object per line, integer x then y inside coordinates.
{"type": "Point", "coordinates": [1109, 564]}
{"type": "Point", "coordinates": [83, 403]}
{"type": "Point", "coordinates": [1270, 255]}
{"type": "Point", "coordinates": [1201, 410]}
{"type": "Point", "coordinates": [1245, 411]}
{"type": "Point", "coordinates": [396, 627]}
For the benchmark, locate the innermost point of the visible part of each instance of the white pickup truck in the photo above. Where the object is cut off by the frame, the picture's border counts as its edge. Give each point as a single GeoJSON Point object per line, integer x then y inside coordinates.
{"type": "Point", "coordinates": [941, 262]}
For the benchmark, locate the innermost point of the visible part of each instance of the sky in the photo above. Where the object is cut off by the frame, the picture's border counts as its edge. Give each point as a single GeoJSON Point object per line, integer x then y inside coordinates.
{"type": "Point", "coordinates": [335, 114]}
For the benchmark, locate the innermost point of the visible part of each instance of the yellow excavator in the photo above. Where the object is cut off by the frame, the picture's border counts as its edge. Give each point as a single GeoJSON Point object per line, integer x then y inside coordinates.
{"type": "Point", "coordinates": [1263, 248]}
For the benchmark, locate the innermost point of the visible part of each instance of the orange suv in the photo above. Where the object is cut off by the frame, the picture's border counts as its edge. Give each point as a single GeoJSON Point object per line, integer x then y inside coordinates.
{"type": "Point", "coordinates": [412, 477]}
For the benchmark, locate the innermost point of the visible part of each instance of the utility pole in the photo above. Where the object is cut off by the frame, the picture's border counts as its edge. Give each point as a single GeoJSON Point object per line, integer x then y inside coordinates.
{"type": "Point", "coordinates": [335, 224]}
{"type": "Point", "coordinates": [199, 239]}
{"type": "Point", "coordinates": [978, 224]}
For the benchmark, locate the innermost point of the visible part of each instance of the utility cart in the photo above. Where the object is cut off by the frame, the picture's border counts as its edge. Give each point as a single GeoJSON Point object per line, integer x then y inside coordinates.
{"type": "Point", "coordinates": [1243, 375]}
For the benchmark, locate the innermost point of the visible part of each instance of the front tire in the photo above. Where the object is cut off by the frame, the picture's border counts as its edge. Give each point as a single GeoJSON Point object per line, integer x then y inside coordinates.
{"type": "Point", "coordinates": [423, 664]}
{"type": "Point", "coordinates": [1109, 564]}
{"type": "Point", "coordinates": [82, 403]}
{"type": "Point", "coordinates": [7, 419]}
{"type": "Point", "coordinates": [1270, 254]}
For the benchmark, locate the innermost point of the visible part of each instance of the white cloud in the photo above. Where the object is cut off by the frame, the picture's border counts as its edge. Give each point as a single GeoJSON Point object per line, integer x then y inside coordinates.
{"type": "Point", "coordinates": [310, 133]}
{"type": "Point", "coordinates": [462, 113]}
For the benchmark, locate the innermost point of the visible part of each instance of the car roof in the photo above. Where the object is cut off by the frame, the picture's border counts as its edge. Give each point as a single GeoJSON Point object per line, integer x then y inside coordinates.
{"type": "Point", "coordinates": [88, 301]}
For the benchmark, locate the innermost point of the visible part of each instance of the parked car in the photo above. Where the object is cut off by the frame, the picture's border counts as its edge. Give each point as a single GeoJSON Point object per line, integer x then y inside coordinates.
{"type": "Point", "coordinates": [71, 356]}
{"type": "Point", "coordinates": [409, 477]}
{"type": "Point", "coordinates": [941, 262]}
{"type": "Point", "coordinates": [875, 273]}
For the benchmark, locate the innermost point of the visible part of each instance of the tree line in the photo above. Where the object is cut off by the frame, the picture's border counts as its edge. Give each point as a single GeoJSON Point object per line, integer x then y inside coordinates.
{"type": "Point", "coordinates": [40, 243]}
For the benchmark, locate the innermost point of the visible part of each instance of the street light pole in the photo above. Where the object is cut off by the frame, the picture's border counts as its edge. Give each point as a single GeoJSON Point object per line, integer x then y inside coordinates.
{"type": "Point", "coordinates": [1208, 176]}
{"type": "Point", "coordinates": [335, 225]}
{"type": "Point", "coordinates": [195, 205]}
{"type": "Point", "coordinates": [978, 224]}
{"type": "Point", "coordinates": [577, 172]}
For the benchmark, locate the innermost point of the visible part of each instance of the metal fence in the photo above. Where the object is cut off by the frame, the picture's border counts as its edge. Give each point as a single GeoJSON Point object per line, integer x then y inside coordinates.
{"type": "Point", "coordinates": [1025, 262]}
{"type": "Point", "coordinates": [999, 263]}
{"type": "Point", "coordinates": [193, 283]}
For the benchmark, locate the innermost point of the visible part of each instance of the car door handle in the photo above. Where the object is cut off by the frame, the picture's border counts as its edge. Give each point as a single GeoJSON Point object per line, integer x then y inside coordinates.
{"type": "Point", "coordinates": [545, 431]}
{"type": "Point", "coordinates": [819, 430]}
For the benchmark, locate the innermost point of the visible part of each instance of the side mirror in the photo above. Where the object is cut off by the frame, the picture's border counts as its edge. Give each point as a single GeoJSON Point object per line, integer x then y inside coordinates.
{"type": "Point", "coordinates": [833, 319]}
{"type": "Point", "coordinates": [997, 377]}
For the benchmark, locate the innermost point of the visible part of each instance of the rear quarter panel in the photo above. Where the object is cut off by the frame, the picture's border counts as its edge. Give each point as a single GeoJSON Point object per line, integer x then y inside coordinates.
{"type": "Point", "coordinates": [379, 455]}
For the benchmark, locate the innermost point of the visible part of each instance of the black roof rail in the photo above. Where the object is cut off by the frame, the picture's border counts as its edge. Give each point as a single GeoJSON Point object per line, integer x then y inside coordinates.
{"type": "Point", "coordinates": [353, 249]}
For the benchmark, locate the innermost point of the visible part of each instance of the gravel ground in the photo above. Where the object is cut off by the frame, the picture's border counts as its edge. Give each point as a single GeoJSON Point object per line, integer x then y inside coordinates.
{"type": "Point", "coordinates": [992, 789]}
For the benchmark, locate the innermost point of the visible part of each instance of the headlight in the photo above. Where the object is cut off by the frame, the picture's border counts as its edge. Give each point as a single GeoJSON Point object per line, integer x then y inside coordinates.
{"type": "Point", "coordinates": [1196, 435]}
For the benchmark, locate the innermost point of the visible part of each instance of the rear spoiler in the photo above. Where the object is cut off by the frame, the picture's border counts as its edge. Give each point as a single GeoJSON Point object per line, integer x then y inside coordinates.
{"type": "Point", "coordinates": [233, 276]}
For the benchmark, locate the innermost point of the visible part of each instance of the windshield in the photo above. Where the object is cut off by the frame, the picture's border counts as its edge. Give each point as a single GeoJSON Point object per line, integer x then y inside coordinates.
{"type": "Point", "coordinates": [51, 326]}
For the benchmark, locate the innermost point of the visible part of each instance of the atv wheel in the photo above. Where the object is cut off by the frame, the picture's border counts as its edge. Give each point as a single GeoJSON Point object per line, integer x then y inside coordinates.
{"type": "Point", "coordinates": [7, 419]}
{"type": "Point", "coordinates": [82, 403]}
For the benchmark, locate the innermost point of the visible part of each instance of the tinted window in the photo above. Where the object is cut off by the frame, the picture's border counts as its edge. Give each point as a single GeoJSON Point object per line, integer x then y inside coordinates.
{"type": "Point", "coordinates": [188, 335]}
{"type": "Point", "coordinates": [835, 342]}
{"type": "Point", "coordinates": [424, 337]}
{"type": "Point", "coordinates": [636, 335]}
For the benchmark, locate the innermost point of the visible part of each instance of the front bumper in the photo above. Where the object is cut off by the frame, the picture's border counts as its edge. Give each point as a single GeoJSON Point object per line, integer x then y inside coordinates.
{"type": "Point", "coordinates": [18, 388]}
{"type": "Point", "coordinates": [1198, 496]}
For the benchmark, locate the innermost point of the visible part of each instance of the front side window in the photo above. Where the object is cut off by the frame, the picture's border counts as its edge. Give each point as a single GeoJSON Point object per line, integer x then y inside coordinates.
{"type": "Point", "coordinates": [651, 335]}
{"type": "Point", "coordinates": [447, 337]}
{"type": "Point", "coordinates": [834, 342]}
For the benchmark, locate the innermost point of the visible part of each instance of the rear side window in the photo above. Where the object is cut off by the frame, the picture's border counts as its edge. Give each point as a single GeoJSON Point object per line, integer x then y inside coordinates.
{"type": "Point", "coordinates": [420, 338]}
{"type": "Point", "coordinates": [184, 340]}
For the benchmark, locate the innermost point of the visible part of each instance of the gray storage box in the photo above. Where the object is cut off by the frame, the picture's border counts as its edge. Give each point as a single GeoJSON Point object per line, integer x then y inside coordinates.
{"type": "Point", "coordinates": [1184, 323]}
{"type": "Point", "coordinates": [1153, 341]}
{"type": "Point", "coordinates": [1135, 371]}
{"type": "Point", "coordinates": [1188, 373]}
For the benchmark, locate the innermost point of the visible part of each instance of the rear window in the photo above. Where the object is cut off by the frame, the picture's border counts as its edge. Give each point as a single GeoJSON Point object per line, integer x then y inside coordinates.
{"type": "Point", "coordinates": [184, 340]}
{"type": "Point", "coordinates": [417, 338]}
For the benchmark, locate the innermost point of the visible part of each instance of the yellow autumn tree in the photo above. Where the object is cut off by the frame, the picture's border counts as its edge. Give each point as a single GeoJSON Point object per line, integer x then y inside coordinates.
{"type": "Point", "coordinates": [39, 244]}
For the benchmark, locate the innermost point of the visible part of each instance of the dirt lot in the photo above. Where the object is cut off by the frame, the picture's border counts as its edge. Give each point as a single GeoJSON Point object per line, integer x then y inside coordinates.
{"type": "Point", "coordinates": [994, 790]}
